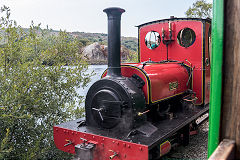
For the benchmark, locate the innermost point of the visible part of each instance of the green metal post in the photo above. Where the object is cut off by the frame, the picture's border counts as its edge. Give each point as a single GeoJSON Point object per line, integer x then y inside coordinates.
{"type": "Point", "coordinates": [216, 75]}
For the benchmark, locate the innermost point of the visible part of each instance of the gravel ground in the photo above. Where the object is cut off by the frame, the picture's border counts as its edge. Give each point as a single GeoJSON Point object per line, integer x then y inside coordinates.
{"type": "Point", "coordinates": [197, 148]}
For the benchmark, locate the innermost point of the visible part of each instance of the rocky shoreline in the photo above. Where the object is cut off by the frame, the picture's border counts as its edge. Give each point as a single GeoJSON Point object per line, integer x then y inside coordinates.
{"type": "Point", "coordinates": [96, 53]}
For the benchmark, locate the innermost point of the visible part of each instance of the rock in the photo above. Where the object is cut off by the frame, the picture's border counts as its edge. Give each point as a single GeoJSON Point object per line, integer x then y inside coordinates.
{"type": "Point", "coordinates": [94, 52]}
{"type": "Point", "coordinates": [98, 53]}
{"type": "Point", "coordinates": [124, 53]}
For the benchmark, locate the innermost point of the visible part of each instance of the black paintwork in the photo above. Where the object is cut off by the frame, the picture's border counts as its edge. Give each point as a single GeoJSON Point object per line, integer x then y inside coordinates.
{"type": "Point", "coordinates": [114, 40]}
{"type": "Point", "coordinates": [119, 100]}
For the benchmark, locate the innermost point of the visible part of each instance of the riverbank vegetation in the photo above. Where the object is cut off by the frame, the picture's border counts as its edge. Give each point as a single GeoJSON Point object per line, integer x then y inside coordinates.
{"type": "Point", "coordinates": [37, 91]}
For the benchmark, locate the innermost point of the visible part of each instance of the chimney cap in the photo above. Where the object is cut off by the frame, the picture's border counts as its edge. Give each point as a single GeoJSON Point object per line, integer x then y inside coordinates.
{"type": "Point", "coordinates": [113, 9]}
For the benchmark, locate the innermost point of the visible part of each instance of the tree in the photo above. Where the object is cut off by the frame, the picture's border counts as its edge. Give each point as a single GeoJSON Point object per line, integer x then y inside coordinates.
{"type": "Point", "coordinates": [33, 96]}
{"type": "Point", "coordinates": [200, 9]}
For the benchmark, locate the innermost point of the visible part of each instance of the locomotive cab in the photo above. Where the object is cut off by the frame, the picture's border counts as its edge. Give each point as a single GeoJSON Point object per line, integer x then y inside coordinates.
{"type": "Point", "coordinates": [183, 40]}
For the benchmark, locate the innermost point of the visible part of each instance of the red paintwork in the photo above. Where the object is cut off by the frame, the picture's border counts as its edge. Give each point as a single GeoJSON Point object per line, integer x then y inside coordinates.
{"type": "Point", "coordinates": [176, 52]}
{"type": "Point", "coordinates": [165, 148]}
{"type": "Point", "coordinates": [160, 75]}
{"type": "Point", "coordinates": [103, 145]}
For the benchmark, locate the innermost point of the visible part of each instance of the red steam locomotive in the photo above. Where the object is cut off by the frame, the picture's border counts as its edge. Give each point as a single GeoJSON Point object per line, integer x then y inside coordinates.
{"type": "Point", "coordinates": [138, 111]}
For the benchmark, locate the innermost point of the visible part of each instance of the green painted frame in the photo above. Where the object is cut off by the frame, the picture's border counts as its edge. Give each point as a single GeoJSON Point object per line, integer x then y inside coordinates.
{"type": "Point", "coordinates": [216, 75]}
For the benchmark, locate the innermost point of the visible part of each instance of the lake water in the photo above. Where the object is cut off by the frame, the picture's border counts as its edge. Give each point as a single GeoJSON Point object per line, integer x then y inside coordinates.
{"type": "Point", "coordinates": [98, 70]}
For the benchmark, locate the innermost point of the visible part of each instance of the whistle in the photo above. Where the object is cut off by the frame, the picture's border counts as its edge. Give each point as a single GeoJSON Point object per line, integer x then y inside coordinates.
{"type": "Point", "coordinates": [169, 26]}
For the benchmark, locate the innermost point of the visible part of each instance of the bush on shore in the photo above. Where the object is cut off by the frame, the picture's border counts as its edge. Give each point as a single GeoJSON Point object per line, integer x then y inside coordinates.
{"type": "Point", "coordinates": [37, 90]}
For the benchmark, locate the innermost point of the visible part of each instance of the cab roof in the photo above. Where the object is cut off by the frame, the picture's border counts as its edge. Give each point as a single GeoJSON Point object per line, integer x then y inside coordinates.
{"type": "Point", "coordinates": [175, 19]}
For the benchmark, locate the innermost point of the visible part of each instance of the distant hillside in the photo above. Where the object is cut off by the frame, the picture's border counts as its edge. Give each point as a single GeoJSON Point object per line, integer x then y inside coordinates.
{"type": "Point", "coordinates": [129, 42]}
{"type": "Point", "coordinates": [93, 46]}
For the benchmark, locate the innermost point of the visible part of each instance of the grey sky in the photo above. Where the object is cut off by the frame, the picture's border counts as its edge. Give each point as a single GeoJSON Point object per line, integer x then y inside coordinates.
{"type": "Point", "coordinates": [87, 15]}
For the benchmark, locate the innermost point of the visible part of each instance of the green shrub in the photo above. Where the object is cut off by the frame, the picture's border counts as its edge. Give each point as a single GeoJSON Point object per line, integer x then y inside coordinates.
{"type": "Point", "coordinates": [37, 90]}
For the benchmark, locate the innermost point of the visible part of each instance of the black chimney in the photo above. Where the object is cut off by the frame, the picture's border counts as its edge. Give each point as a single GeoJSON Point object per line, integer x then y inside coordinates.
{"type": "Point", "coordinates": [114, 40]}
